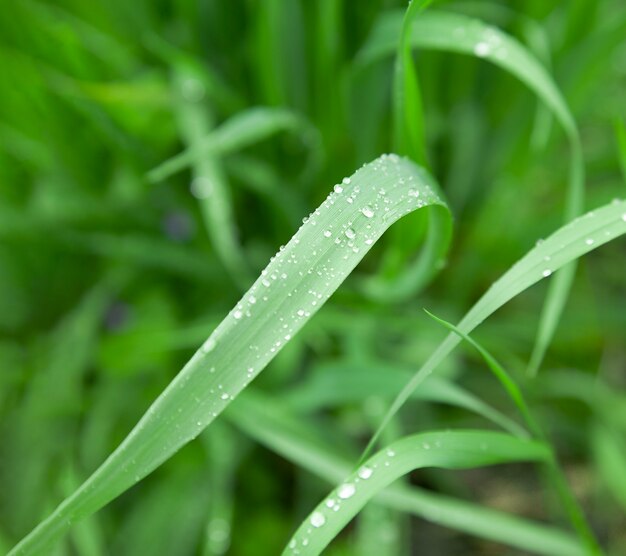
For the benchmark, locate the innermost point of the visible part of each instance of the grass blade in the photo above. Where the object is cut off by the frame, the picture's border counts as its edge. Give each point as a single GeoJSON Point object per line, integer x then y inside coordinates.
{"type": "Point", "coordinates": [458, 33]}
{"type": "Point", "coordinates": [242, 130]}
{"type": "Point", "coordinates": [271, 425]}
{"type": "Point", "coordinates": [209, 183]}
{"type": "Point", "coordinates": [298, 280]}
{"type": "Point", "coordinates": [448, 450]}
{"type": "Point", "coordinates": [564, 246]}
{"type": "Point", "coordinates": [346, 382]}
{"type": "Point", "coordinates": [554, 472]}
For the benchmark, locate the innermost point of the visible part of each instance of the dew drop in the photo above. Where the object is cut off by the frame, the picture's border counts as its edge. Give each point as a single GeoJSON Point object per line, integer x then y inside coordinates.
{"type": "Point", "coordinates": [414, 193]}
{"type": "Point", "coordinates": [317, 519]}
{"type": "Point", "coordinates": [367, 212]}
{"type": "Point", "coordinates": [224, 396]}
{"type": "Point", "coordinates": [365, 472]}
{"type": "Point", "coordinates": [346, 491]}
{"type": "Point", "coordinates": [624, 217]}
{"type": "Point", "coordinates": [208, 346]}
{"type": "Point", "coordinates": [237, 314]}
{"type": "Point", "coordinates": [338, 188]}
{"type": "Point", "coordinates": [252, 299]}
{"type": "Point", "coordinates": [350, 233]}
{"type": "Point", "coordinates": [327, 233]}
{"type": "Point", "coordinates": [482, 49]}
{"type": "Point", "coordinates": [546, 272]}
{"type": "Point", "coordinates": [201, 187]}
{"type": "Point", "coordinates": [589, 241]}
{"type": "Point", "coordinates": [345, 181]}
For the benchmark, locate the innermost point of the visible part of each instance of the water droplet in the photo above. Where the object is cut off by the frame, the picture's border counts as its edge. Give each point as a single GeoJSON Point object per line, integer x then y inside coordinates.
{"type": "Point", "coordinates": [426, 446]}
{"type": "Point", "coordinates": [201, 187]}
{"type": "Point", "coordinates": [192, 90]}
{"type": "Point", "coordinates": [208, 346]}
{"type": "Point", "coordinates": [589, 241]}
{"type": "Point", "coordinates": [350, 233]}
{"type": "Point", "coordinates": [482, 49]}
{"type": "Point", "coordinates": [237, 314]}
{"type": "Point", "coordinates": [338, 188]}
{"type": "Point", "coordinates": [345, 181]}
{"type": "Point", "coordinates": [346, 491]}
{"type": "Point", "coordinates": [391, 453]}
{"type": "Point", "coordinates": [365, 472]}
{"type": "Point", "coordinates": [224, 396]}
{"type": "Point", "coordinates": [330, 503]}
{"type": "Point", "coordinates": [367, 212]}
{"type": "Point", "coordinates": [414, 193]}
{"type": "Point", "coordinates": [546, 272]}
{"type": "Point", "coordinates": [317, 519]}
{"type": "Point", "coordinates": [624, 217]}
{"type": "Point", "coordinates": [327, 233]}
{"type": "Point", "coordinates": [252, 299]}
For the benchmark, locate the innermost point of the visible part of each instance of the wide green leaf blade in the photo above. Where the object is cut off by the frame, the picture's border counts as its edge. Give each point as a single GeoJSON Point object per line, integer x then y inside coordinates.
{"type": "Point", "coordinates": [295, 284]}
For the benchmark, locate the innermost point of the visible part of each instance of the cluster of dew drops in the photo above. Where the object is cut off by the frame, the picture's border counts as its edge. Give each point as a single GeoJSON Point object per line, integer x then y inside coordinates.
{"type": "Point", "coordinates": [345, 491]}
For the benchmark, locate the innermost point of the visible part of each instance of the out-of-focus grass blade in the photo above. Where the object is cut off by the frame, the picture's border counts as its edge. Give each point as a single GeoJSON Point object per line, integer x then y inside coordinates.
{"type": "Point", "coordinates": [241, 130]}
{"type": "Point", "coordinates": [209, 185]}
{"type": "Point", "coordinates": [610, 456]}
{"type": "Point", "coordinates": [41, 428]}
{"type": "Point", "coordinates": [448, 450]}
{"type": "Point", "coordinates": [620, 132]}
{"type": "Point", "coordinates": [407, 105]}
{"type": "Point", "coordinates": [295, 284]}
{"type": "Point", "coordinates": [573, 240]}
{"type": "Point", "coordinates": [457, 33]}
{"type": "Point", "coordinates": [269, 423]}
{"type": "Point", "coordinates": [343, 383]}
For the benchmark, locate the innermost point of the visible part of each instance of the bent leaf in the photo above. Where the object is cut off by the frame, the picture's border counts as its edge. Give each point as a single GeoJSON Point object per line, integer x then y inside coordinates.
{"type": "Point", "coordinates": [465, 35]}
{"type": "Point", "coordinates": [295, 284]}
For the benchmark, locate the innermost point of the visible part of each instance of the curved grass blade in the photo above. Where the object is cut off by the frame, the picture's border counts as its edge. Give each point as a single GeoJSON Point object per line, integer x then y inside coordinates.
{"type": "Point", "coordinates": [409, 140]}
{"type": "Point", "coordinates": [570, 242]}
{"type": "Point", "coordinates": [295, 284]}
{"type": "Point", "coordinates": [465, 35]}
{"type": "Point", "coordinates": [242, 130]}
{"type": "Point", "coordinates": [448, 450]}
{"type": "Point", "coordinates": [620, 133]}
{"type": "Point", "coordinates": [269, 423]}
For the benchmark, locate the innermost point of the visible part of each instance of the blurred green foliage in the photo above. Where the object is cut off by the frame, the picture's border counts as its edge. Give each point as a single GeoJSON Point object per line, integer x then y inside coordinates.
{"type": "Point", "coordinates": [109, 280]}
